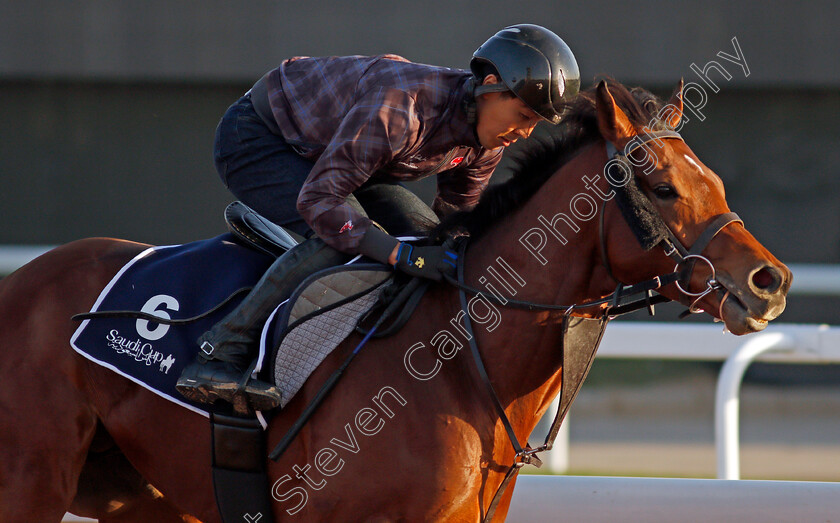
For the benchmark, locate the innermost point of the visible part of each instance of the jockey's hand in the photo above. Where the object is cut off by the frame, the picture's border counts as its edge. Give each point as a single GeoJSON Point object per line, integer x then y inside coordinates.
{"type": "Point", "coordinates": [430, 261]}
{"type": "Point", "coordinates": [426, 262]}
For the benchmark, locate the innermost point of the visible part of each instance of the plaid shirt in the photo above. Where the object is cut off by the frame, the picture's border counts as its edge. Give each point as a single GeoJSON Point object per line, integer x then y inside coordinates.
{"type": "Point", "coordinates": [377, 117]}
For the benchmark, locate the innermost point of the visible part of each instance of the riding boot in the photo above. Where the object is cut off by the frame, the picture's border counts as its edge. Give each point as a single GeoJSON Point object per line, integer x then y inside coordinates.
{"type": "Point", "coordinates": [229, 347]}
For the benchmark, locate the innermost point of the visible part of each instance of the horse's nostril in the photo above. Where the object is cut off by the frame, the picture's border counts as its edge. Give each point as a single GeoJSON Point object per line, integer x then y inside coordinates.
{"type": "Point", "coordinates": [767, 279]}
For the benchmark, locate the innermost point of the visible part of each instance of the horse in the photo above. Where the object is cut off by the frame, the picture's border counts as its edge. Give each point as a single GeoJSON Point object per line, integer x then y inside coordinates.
{"type": "Point", "coordinates": [409, 433]}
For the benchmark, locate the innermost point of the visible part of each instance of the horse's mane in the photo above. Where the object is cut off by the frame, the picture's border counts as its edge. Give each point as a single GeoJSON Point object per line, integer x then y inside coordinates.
{"type": "Point", "coordinates": [542, 157]}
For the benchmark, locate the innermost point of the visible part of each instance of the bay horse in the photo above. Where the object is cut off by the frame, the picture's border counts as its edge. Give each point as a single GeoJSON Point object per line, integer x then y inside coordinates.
{"type": "Point", "coordinates": [408, 434]}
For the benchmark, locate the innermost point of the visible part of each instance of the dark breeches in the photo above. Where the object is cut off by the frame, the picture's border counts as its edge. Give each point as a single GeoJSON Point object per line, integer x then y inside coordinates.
{"type": "Point", "coordinates": [266, 174]}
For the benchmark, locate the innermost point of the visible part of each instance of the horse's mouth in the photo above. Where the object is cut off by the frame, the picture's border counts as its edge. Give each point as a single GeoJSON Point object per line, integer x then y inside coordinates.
{"type": "Point", "coordinates": [744, 314]}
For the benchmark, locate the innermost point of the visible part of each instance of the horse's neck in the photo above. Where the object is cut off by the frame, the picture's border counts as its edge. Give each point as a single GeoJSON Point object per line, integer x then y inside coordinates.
{"type": "Point", "coordinates": [522, 355]}
{"type": "Point", "coordinates": [565, 274]}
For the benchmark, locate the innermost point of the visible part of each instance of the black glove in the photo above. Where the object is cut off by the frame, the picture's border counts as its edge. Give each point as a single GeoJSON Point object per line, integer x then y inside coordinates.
{"type": "Point", "coordinates": [426, 262]}
{"type": "Point", "coordinates": [430, 262]}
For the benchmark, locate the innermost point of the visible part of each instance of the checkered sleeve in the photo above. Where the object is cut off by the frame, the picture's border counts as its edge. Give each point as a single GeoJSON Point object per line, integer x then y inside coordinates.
{"type": "Point", "coordinates": [379, 125]}
{"type": "Point", "coordinates": [460, 188]}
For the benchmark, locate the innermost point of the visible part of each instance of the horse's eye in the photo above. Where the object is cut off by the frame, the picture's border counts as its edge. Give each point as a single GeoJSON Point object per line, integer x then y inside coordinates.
{"type": "Point", "coordinates": [664, 192]}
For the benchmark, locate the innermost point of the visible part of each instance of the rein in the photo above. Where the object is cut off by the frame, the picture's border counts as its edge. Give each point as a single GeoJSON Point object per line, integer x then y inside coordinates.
{"type": "Point", "coordinates": [672, 247]}
{"type": "Point", "coordinates": [155, 318]}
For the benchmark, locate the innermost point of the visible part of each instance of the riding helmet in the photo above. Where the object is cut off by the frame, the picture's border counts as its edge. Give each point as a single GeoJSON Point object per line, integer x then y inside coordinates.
{"type": "Point", "coordinates": [533, 63]}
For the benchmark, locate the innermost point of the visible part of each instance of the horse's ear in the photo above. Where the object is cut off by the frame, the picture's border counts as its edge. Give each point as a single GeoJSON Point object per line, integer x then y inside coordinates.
{"type": "Point", "coordinates": [612, 122]}
{"type": "Point", "coordinates": [673, 116]}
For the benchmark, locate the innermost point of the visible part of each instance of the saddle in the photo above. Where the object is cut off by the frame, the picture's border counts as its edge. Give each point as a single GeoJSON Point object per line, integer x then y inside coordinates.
{"type": "Point", "coordinates": [257, 232]}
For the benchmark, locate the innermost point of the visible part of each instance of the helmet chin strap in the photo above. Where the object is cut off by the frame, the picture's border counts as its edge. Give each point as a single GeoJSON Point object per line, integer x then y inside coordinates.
{"type": "Point", "coordinates": [478, 90]}
{"type": "Point", "coordinates": [489, 88]}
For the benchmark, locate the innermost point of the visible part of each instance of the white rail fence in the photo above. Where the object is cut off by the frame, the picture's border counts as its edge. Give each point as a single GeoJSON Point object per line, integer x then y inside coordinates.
{"type": "Point", "coordinates": [656, 500]}
{"type": "Point", "coordinates": [781, 343]}
{"type": "Point", "coordinates": [542, 498]}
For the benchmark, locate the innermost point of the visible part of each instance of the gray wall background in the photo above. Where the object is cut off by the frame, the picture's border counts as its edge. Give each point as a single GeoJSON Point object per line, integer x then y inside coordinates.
{"type": "Point", "coordinates": [108, 108]}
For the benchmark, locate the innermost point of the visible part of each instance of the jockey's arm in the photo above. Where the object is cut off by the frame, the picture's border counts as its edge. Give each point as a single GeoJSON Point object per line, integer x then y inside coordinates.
{"type": "Point", "coordinates": [374, 131]}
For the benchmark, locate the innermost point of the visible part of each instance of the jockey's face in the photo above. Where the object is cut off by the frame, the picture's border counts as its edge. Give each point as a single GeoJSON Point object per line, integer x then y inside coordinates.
{"type": "Point", "coordinates": [502, 118]}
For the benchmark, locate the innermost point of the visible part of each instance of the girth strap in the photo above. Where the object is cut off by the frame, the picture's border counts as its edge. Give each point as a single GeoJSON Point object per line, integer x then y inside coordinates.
{"type": "Point", "coordinates": [240, 482]}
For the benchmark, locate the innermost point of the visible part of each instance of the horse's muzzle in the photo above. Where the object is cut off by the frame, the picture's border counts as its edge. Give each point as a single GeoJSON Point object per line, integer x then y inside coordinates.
{"type": "Point", "coordinates": [751, 304]}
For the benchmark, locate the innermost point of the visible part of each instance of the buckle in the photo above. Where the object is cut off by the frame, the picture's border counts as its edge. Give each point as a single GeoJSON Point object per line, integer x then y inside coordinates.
{"type": "Point", "coordinates": [205, 351]}
{"type": "Point", "coordinates": [529, 456]}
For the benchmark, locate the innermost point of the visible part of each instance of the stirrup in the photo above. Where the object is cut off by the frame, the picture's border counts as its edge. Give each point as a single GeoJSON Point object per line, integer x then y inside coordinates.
{"type": "Point", "coordinates": [245, 394]}
{"type": "Point", "coordinates": [244, 400]}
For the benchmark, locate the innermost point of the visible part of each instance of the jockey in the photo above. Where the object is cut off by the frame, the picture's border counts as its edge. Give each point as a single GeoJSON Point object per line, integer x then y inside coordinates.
{"type": "Point", "coordinates": [319, 146]}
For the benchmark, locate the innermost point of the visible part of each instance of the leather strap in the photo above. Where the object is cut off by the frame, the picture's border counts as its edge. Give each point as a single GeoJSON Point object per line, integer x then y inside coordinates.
{"type": "Point", "coordinates": [157, 319]}
{"type": "Point", "coordinates": [241, 484]}
{"type": "Point", "coordinates": [482, 370]}
{"type": "Point", "coordinates": [602, 237]}
{"type": "Point", "coordinates": [258, 232]}
{"type": "Point", "coordinates": [494, 503]}
{"type": "Point", "coordinates": [405, 313]}
{"type": "Point", "coordinates": [497, 404]}
{"type": "Point", "coordinates": [613, 299]}
{"type": "Point", "coordinates": [612, 151]}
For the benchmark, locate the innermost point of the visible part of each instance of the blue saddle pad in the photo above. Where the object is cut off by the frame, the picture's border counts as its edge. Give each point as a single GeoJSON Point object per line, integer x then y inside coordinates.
{"type": "Point", "coordinates": [172, 282]}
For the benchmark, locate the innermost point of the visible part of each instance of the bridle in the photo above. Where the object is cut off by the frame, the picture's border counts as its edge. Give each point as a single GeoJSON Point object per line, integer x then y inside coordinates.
{"type": "Point", "coordinates": [685, 259]}
{"type": "Point", "coordinates": [672, 247]}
